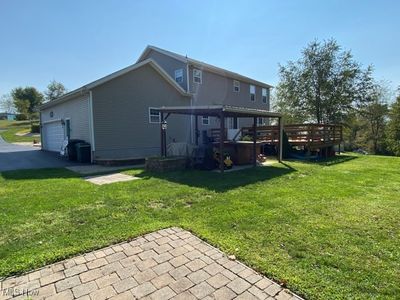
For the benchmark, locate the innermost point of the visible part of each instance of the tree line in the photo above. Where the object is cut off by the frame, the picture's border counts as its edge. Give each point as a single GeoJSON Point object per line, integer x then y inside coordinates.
{"type": "Point", "coordinates": [25, 101]}
{"type": "Point", "coordinates": [327, 85]}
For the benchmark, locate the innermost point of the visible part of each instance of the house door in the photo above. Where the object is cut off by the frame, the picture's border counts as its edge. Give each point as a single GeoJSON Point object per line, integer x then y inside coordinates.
{"type": "Point", "coordinates": [231, 123]}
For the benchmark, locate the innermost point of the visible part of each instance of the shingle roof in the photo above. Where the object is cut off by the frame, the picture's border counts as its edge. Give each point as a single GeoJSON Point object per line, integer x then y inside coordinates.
{"type": "Point", "coordinates": [202, 65]}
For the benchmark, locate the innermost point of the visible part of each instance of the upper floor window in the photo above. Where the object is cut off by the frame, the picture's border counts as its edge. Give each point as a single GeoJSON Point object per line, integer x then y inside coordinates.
{"type": "Point", "coordinates": [179, 75]}
{"type": "Point", "coordinates": [252, 93]}
{"type": "Point", "coordinates": [265, 93]}
{"type": "Point", "coordinates": [236, 86]}
{"type": "Point", "coordinates": [154, 115]}
{"type": "Point", "coordinates": [197, 76]}
{"type": "Point", "coordinates": [205, 120]}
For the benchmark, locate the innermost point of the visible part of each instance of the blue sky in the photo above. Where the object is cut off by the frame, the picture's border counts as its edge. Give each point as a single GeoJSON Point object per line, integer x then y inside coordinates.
{"type": "Point", "coordinates": [76, 42]}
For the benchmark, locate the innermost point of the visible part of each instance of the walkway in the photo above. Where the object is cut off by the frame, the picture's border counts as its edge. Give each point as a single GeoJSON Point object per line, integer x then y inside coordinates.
{"type": "Point", "coordinates": [167, 264]}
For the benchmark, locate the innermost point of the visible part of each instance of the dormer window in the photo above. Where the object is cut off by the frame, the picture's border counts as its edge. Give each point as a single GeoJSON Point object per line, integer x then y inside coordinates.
{"type": "Point", "coordinates": [179, 75]}
{"type": "Point", "coordinates": [236, 86]}
{"type": "Point", "coordinates": [252, 92]}
{"type": "Point", "coordinates": [197, 76]}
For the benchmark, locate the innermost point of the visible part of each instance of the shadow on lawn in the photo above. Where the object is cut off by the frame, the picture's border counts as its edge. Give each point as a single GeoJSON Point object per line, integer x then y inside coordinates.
{"type": "Point", "coordinates": [37, 174]}
{"type": "Point", "coordinates": [220, 183]}
{"type": "Point", "coordinates": [331, 161]}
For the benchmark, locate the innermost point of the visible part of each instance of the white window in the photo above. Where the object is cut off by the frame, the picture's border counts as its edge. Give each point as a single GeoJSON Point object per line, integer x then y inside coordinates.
{"type": "Point", "coordinates": [154, 115]}
{"type": "Point", "coordinates": [236, 86]}
{"type": "Point", "coordinates": [197, 76]}
{"type": "Point", "coordinates": [205, 120]}
{"type": "Point", "coordinates": [265, 93]}
{"type": "Point", "coordinates": [261, 121]}
{"type": "Point", "coordinates": [252, 93]}
{"type": "Point", "coordinates": [179, 75]}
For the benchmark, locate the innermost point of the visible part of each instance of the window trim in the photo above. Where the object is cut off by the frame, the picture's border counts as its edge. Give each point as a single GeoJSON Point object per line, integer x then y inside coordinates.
{"type": "Point", "coordinates": [261, 123]}
{"type": "Point", "coordinates": [266, 95]}
{"type": "Point", "coordinates": [205, 118]}
{"type": "Point", "coordinates": [181, 71]}
{"type": "Point", "coordinates": [200, 77]}
{"type": "Point", "coordinates": [234, 86]}
{"type": "Point", "coordinates": [253, 100]}
{"type": "Point", "coordinates": [159, 116]}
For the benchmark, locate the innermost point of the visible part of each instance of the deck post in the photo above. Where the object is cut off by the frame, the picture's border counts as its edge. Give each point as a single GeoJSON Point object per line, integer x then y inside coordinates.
{"type": "Point", "coordinates": [196, 129]}
{"type": "Point", "coordinates": [221, 142]}
{"type": "Point", "coordinates": [254, 142]}
{"type": "Point", "coordinates": [280, 139]}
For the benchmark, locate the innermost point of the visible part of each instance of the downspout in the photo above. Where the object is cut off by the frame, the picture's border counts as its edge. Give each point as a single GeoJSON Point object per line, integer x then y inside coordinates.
{"type": "Point", "coordinates": [41, 129]}
{"type": "Point", "coordinates": [192, 134]}
{"type": "Point", "coordinates": [91, 127]}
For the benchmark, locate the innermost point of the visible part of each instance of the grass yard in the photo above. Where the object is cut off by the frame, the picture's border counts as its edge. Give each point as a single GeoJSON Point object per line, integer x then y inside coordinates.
{"type": "Point", "coordinates": [328, 231]}
{"type": "Point", "coordinates": [8, 130]}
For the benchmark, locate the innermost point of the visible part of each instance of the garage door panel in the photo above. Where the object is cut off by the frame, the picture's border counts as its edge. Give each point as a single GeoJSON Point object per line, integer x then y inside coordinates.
{"type": "Point", "coordinates": [53, 136]}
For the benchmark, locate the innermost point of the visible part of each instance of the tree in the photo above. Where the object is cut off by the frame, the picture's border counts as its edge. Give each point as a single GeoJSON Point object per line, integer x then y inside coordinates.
{"type": "Point", "coordinates": [353, 130]}
{"type": "Point", "coordinates": [7, 103]}
{"type": "Point", "coordinates": [323, 85]}
{"type": "Point", "coordinates": [393, 128]}
{"type": "Point", "coordinates": [374, 113]}
{"type": "Point", "coordinates": [54, 90]}
{"type": "Point", "coordinates": [27, 100]}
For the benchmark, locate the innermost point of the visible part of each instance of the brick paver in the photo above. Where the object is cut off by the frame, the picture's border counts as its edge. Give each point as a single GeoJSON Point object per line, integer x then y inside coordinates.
{"type": "Point", "coordinates": [168, 264]}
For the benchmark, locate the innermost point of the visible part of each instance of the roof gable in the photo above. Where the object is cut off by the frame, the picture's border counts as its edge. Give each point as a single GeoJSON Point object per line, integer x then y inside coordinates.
{"type": "Point", "coordinates": [86, 88]}
{"type": "Point", "coordinates": [202, 65]}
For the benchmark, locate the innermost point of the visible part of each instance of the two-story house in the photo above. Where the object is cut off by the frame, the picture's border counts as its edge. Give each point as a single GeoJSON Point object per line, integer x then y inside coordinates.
{"type": "Point", "coordinates": [117, 114]}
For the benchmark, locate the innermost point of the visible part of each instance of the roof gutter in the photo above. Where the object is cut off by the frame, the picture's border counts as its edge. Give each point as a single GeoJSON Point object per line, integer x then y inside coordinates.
{"type": "Point", "coordinates": [78, 92]}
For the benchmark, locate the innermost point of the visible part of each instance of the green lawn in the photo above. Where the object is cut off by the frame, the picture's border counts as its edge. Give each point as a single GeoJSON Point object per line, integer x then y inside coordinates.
{"type": "Point", "coordinates": [328, 231]}
{"type": "Point", "coordinates": [8, 130]}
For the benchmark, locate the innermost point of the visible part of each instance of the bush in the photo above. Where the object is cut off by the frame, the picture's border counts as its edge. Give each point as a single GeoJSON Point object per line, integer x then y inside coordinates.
{"type": "Point", "coordinates": [21, 117]}
{"type": "Point", "coordinates": [35, 128]}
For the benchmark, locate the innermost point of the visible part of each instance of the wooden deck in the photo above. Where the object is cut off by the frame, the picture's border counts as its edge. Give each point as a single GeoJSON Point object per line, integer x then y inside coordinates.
{"type": "Point", "coordinates": [310, 136]}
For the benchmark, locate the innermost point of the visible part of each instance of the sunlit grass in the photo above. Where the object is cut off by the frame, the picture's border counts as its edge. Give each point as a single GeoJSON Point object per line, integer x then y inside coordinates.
{"type": "Point", "coordinates": [328, 231]}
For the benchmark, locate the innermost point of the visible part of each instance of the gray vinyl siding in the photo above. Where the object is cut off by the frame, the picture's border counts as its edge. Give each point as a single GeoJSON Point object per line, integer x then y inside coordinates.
{"type": "Point", "coordinates": [77, 110]}
{"type": "Point", "coordinates": [121, 115]}
{"type": "Point", "coordinates": [216, 90]}
{"type": "Point", "coordinates": [169, 65]}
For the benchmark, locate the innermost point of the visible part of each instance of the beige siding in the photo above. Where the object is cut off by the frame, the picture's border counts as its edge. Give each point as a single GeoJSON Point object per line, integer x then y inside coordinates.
{"type": "Point", "coordinates": [77, 110]}
{"type": "Point", "coordinates": [121, 117]}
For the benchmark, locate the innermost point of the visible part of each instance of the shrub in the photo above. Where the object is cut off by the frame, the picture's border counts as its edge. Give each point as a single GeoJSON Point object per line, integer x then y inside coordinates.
{"type": "Point", "coordinates": [35, 128]}
{"type": "Point", "coordinates": [21, 117]}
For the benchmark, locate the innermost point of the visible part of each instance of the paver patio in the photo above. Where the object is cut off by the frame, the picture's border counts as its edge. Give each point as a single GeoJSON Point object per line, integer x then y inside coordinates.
{"type": "Point", "coordinates": [168, 264]}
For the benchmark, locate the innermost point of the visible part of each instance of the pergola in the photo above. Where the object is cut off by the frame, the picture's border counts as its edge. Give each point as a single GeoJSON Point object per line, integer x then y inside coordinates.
{"type": "Point", "coordinates": [221, 112]}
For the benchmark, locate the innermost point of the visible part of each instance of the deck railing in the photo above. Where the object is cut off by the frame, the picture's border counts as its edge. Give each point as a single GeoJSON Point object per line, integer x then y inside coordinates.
{"type": "Point", "coordinates": [312, 135]}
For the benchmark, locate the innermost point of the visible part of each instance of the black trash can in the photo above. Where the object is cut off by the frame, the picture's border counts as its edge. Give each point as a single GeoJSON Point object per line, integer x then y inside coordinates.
{"type": "Point", "coordinates": [83, 152]}
{"type": "Point", "coordinates": [71, 149]}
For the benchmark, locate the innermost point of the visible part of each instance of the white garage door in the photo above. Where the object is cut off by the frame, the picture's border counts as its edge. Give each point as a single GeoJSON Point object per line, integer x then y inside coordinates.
{"type": "Point", "coordinates": [53, 136]}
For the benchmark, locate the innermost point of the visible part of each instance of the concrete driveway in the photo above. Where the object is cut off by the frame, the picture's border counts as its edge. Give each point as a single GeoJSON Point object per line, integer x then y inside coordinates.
{"type": "Point", "coordinates": [17, 157]}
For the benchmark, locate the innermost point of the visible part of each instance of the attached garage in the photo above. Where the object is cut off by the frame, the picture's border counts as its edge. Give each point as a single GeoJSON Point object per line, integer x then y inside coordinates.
{"type": "Point", "coordinates": [113, 114]}
{"type": "Point", "coordinates": [60, 119]}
